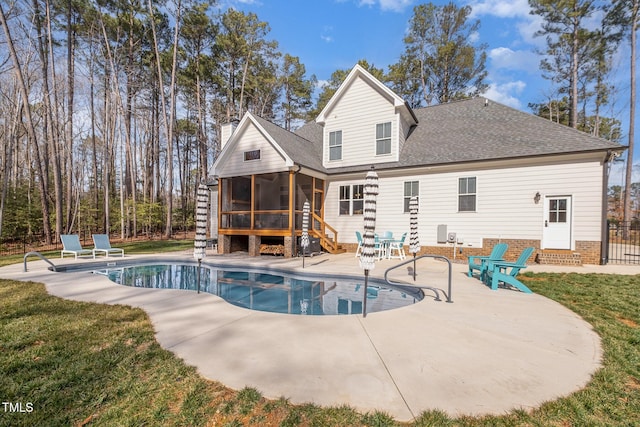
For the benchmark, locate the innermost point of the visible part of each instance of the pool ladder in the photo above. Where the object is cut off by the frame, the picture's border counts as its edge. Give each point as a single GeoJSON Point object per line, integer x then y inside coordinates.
{"type": "Point", "coordinates": [437, 291]}
{"type": "Point", "coordinates": [39, 255]}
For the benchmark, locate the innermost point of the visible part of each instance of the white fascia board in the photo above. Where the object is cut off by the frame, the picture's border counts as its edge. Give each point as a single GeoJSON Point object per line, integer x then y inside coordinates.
{"type": "Point", "coordinates": [229, 147]}
{"type": "Point", "coordinates": [358, 70]}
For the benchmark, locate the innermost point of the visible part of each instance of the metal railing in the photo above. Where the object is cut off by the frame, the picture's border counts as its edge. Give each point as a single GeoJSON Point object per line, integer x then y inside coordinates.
{"type": "Point", "coordinates": [39, 255]}
{"type": "Point", "coordinates": [437, 291]}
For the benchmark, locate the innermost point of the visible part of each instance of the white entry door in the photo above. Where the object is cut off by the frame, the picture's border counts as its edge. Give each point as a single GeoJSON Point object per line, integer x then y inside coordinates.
{"type": "Point", "coordinates": [557, 223]}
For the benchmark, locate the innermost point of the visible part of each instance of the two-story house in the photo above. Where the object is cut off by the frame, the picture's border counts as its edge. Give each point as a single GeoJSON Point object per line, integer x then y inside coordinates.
{"type": "Point", "coordinates": [483, 173]}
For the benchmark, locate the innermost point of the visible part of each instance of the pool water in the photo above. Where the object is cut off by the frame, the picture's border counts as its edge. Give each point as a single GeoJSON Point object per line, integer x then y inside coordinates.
{"type": "Point", "coordinates": [276, 293]}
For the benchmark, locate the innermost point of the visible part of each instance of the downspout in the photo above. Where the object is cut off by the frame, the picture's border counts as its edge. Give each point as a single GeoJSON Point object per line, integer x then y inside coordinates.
{"type": "Point", "coordinates": [604, 224]}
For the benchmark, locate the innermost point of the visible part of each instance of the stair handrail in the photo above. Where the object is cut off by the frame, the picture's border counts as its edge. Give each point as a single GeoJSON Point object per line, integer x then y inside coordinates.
{"type": "Point", "coordinates": [435, 290]}
{"type": "Point", "coordinates": [328, 242]}
{"type": "Point", "coordinates": [39, 255]}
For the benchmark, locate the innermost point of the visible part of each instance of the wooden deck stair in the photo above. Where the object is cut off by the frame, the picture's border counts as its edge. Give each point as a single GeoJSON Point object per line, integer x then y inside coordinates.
{"type": "Point", "coordinates": [328, 235]}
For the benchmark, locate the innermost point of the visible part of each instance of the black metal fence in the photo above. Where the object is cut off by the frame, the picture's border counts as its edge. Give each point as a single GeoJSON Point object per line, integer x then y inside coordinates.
{"type": "Point", "coordinates": [14, 245]}
{"type": "Point", "coordinates": [623, 243]}
{"type": "Point", "coordinates": [20, 245]}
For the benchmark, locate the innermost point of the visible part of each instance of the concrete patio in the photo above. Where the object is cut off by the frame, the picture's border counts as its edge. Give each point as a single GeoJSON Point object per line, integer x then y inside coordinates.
{"type": "Point", "coordinates": [486, 353]}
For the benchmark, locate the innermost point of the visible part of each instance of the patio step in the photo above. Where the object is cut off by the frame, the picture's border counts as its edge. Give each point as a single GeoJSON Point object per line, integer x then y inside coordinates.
{"type": "Point", "coordinates": [558, 257]}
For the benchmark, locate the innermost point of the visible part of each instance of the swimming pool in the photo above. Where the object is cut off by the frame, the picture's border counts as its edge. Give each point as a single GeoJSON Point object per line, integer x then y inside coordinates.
{"type": "Point", "coordinates": [275, 292]}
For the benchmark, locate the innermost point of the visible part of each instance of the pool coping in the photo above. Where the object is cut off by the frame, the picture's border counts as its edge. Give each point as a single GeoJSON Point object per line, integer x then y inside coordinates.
{"type": "Point", "coordinates": [487, 353]}
{"type": "Point", "coordinates": [407, 289]}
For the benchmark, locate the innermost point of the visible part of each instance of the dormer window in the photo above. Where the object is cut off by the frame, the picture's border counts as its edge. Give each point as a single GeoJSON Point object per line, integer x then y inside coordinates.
{"type": "Point", "coordinates": [335, 145]}
{"type": "Point", "coordinates": [383, 138]}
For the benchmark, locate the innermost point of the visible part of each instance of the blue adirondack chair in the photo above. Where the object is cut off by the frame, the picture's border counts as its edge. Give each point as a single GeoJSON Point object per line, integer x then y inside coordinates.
{"type": "Point", "coordinates": [481, 262]}
{"type": "Point", "coordinates": [506, 272]}
{"type": "Point", "coordinates": [359, 248]}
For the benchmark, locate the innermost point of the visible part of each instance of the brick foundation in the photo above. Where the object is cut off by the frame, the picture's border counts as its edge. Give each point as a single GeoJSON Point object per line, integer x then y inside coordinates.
{"type": "Point", "coordinates": [587, 252]}
{"type": "Point", "coordinates": [254, 245]}
{"type": "Point", "coordinates": [558, 257]}
{"type": "Point", "coordinates": [224, 244]}
{"type": "Point", "coordinates": [288, 247]}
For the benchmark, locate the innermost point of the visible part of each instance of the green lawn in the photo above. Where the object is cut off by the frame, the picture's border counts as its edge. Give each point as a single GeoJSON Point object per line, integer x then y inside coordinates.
{"type": "Point", "coordinates": [75, 363]}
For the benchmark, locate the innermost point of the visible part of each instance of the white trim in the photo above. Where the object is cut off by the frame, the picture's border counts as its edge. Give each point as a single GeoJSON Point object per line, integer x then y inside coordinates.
{"type": "Point", "coordinates": [558, 237]}
{"type": "Point", "coordinates": [359, 71]}
{"type": "Point", "coordinates": [229, 147]}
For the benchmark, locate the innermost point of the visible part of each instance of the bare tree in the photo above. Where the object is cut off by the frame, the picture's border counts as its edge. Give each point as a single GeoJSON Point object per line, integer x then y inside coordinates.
{"type": "Point", "coordinates": [31, 131]}
{"type": "Point", "coordinates": [625, 14]}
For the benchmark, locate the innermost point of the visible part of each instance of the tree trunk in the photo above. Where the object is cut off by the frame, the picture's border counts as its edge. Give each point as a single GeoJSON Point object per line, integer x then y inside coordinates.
{"type": "Point", "coordinates": [50, 113]}
{"type": "Point", "coordinates": [71, 42]}
{"type": "Point", "coordinates": [31, 131]}
{"type": "Point", "coordinates": [573, 119]}
{"type": "Point", "coordinates": [632, 116]}
{"type": "Point", "coordinates": [8, 148]}
{"type": "Point", "coordinates": [202, 142]}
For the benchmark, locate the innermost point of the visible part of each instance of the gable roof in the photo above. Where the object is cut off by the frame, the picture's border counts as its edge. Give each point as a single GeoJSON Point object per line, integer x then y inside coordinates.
{"type": "Point", "coordinates": [247, 120]}
{"type": "Point", "coordinates": [478, 129]}
{"type": "Point", "coordinates": [294, 149]}
{"type": "Point", "coordinates": [302, 151]}
{"type": "Point", "coordinates": [358, 72]}
{"type": "Point", "coordinates": [471, 130]}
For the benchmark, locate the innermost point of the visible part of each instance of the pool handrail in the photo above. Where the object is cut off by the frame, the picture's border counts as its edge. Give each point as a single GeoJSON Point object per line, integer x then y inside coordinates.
{"type": "Point", "coordinates": [435, 290]}
{"type": "Point", "coordinates": [39, 255]}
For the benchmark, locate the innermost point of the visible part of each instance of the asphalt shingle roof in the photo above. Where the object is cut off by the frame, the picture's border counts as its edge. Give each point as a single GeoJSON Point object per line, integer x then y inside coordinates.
{"type": "Point", "coordinates": [471, 130]}
{"type": "Point", "coordinates": [304, 148]}
{"type": "Point", "coordinates": [479, 129]}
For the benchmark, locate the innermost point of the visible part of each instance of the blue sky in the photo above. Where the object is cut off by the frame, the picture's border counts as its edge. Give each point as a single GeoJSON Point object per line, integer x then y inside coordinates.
{"type": "Point", "coordinates": [334, 34]}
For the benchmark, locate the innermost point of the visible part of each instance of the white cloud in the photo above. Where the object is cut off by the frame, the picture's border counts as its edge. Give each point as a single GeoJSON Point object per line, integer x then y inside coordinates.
{"type": "Point", "coordinates": [392, 5]}
{"type": "Point", "coordinates": [506, 93]}
{"type": "Point", "coordinates": [505, 58]}
{"type": "Point", "coordinates": [527, 29]}
{"type": "Point", "coordinates": [326, 34]}
{"type": "Point", "coordinates": [516, 10]}
{"type": "Point", "coordinates": [232, 3]}
{"type": "Point", "coordinates": [500, 8]}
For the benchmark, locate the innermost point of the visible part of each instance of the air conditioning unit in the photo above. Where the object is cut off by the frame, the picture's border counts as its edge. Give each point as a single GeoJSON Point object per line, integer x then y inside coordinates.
{"type": "Point", "coordinates": [451, 237]}
{"type": "Point", "coordinates": [442, 233]}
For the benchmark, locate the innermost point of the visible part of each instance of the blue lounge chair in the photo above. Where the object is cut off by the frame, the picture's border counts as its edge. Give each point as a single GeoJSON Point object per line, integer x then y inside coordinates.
{"type": "Point", "coordinates": [506, 272]}
{"type": "Point", "coordinates": [71, 245]}
{"type": "Point", "coordinates": [102, 244]}
{"type": "Point", "coordinates": [481, 263]}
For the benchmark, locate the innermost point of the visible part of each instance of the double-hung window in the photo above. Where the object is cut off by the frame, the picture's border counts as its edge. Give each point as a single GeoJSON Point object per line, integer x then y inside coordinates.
{"type": "Point", "coordinates": [383, 138]}
{"type": "Point", "coordinates": [335, 145]}
{"type": "Point", "coordinates": [351, 199]}
{"type": "Point", "coordinates": [411, 188]}
{"type": "Point", "coordinates": [467, 194]}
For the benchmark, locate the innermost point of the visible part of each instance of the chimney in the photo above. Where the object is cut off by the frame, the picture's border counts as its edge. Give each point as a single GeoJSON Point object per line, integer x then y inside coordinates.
{"type": "Point", "coordinates": [226, 130]}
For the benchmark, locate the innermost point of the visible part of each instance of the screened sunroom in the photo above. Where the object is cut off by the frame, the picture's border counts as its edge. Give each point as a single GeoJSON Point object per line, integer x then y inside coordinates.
{"type": "Point", "coordinates": [262, 213]}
